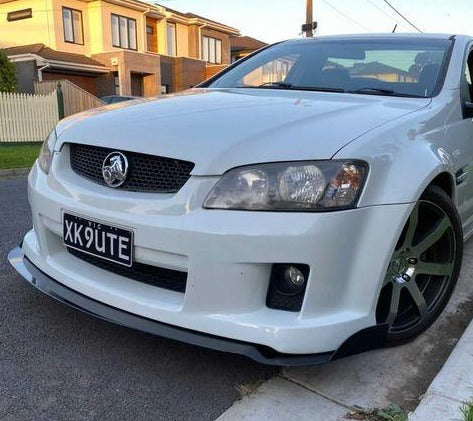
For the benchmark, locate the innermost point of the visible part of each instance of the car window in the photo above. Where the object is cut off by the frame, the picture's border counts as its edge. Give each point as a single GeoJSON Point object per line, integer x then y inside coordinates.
{"type": "Point", "coordinates": [468, 77]}
{"type": "Point", "coordinates": [401, 66]}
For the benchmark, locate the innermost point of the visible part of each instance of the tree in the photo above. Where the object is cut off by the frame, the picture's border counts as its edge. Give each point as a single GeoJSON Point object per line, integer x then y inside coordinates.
{"type": "Point", "coordinates": [8, 81]}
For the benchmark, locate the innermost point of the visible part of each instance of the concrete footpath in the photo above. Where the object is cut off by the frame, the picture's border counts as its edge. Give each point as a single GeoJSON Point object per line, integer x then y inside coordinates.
{"type": "Point", "coordinates": [452, 387]}
{"type": "Point", "coordinates": [410, 376]}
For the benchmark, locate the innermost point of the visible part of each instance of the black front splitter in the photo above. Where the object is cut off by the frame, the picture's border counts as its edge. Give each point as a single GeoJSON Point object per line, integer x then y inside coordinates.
{"type": "Point", "coordinates": [364, 340]}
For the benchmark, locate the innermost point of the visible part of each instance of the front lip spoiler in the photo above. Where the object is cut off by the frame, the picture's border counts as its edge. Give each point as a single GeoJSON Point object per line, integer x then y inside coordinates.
{"type": "Point", "coordinates": [373, 337]}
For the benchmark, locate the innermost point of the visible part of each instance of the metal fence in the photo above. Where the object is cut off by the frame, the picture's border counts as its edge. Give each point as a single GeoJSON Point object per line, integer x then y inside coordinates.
{"type": "Point", "coordinates": [76, 99]}
{"type": "Point", "coordinates": [25, 117]}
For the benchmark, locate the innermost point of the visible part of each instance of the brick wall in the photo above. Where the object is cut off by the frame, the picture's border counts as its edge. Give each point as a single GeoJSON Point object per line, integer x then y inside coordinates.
{"type": "Point", "coordinates": [181, 73]}
{"type": "Point", "coordinates": [131, 62]}
{"type": "Point", "coordinates": [105, 85]}
{"type": "Point", "coordinates": [212, 70]}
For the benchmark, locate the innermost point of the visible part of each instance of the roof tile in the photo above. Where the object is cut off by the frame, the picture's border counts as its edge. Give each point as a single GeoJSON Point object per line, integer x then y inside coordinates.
{"type": "Point", "coordinates": [50, 54]}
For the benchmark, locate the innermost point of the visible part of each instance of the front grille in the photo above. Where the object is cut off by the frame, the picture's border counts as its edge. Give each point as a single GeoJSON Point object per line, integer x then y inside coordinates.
{"type": "Point", "coordinates": [152, 275]}
{"type": "Point", "coordinates": [146, 173]}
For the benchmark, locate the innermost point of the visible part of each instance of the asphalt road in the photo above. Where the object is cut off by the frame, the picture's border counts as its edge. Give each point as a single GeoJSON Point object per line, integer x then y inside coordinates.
{"type": "Point", "coordinates": [59, 364]}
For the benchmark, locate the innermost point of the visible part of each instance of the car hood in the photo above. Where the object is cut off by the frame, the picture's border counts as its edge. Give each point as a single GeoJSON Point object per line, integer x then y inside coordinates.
{"type": "Point", "coordinates": [222, 129]}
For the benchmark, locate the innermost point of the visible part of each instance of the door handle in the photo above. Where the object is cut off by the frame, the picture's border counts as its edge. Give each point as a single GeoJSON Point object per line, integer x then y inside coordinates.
{"type": "Point", "coordinates": [460, 176]}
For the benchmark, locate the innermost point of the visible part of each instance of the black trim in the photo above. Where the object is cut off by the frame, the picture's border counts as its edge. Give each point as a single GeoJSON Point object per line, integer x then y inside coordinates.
{"type": "Point", "coordinates": [465, 93]}
{"type": "Point", "coordinates": [365, 340]}
{"type": "Point", "coordinates": [361, 341]}
{"type": "Point", "coordinates": [72, 25]}
{"type": "Point", "coordinates": [443, 70]}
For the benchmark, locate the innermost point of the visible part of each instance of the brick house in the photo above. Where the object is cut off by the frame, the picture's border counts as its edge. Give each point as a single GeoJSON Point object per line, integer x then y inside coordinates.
{"type": "Point", "coordinates": [126, 47]}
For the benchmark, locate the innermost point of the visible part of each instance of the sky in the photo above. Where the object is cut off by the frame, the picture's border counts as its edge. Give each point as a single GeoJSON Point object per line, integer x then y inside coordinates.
{"type": "Point", "coordinates": [276, 20]}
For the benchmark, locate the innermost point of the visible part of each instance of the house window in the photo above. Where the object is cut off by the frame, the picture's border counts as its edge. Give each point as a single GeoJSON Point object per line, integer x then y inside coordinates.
{"type": "Point", "coordinates": [212, 50]}
{"type": "Point", "coordinates": [172, 39]}
{"type": "Point", "coordinates": [149, 30]}
{"type": "Point", "coordinates": [123, 32]}
{"type": "Point", "coordinates": [73, 29]}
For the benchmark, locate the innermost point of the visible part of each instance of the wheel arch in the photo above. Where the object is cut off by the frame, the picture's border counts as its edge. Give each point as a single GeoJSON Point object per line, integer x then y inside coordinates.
{"type": "Point", "coordinates": [445, 181]}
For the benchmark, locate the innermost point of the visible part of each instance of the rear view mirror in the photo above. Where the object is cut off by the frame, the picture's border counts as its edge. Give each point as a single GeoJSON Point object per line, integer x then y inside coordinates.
{"type": "Point", "coordinates": [467, 109]}
{"type": "Point", "coordinates": [348, 53]}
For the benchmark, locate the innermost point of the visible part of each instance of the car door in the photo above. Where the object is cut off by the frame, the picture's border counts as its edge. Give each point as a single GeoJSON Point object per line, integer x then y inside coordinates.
{"type": "Point", "coordinates": [462, 135]}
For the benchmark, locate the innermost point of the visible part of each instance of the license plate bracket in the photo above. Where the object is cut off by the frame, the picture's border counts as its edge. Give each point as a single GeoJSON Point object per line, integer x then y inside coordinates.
{"type": "Point", "coordinates": [108, 242]}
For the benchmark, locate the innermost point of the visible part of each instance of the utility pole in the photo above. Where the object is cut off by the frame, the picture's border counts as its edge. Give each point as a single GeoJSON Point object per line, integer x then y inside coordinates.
{"type": "Point", "coordinates": [310, 25]}
{"type": "Point", "coordinates": [309, 18]}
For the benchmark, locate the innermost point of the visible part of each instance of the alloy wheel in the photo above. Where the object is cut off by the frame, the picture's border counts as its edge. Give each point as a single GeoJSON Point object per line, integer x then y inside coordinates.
{"type": "Point", "coordinates": [420, 271]}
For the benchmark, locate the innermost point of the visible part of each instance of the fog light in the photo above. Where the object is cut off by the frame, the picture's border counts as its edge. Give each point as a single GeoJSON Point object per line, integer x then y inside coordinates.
{"type": "Point", "coordinates": [287, 286]}
{"type": "Point", "coordinates": [290, 280]}
{"type": "Point", "coordinates": [294, 277]}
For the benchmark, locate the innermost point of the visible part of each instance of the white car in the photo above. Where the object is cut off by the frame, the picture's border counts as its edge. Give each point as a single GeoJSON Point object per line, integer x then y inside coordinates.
{"type": "Point", "coordinates": [309, 202]}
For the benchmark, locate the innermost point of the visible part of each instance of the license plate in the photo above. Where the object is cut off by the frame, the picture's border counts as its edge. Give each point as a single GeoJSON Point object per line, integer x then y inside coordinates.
{"type": "Point", "coordinates": [108, 242]}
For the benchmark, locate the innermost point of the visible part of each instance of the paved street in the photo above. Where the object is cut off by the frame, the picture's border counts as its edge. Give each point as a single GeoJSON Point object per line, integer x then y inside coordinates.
{"type": "Point", "coordinates": [58, 364]}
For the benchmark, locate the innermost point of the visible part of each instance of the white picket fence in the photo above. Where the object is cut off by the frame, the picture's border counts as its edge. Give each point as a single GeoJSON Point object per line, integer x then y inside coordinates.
{"type": "Point", "coordinates": [25, 117]}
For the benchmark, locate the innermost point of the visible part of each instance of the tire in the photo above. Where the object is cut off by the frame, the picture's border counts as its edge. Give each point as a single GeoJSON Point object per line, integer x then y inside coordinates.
{"type": "Point", "coordinates": [424, 268]}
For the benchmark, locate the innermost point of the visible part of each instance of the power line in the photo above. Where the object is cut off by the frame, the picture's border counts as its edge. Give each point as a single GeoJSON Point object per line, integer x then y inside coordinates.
{"type": "Point", "coordinates": [402, 16]}
{"type": "Point", "coordinates": [386, 13]}
{"type": "Point", "coordinates": [346, 16]}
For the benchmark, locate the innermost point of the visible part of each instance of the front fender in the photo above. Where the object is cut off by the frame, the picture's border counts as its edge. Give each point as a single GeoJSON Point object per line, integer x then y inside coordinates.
{"type": "Point", "coordinates": [403, 157]}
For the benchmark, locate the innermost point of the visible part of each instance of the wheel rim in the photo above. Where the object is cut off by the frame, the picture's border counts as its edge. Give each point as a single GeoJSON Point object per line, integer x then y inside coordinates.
{"type": "Point", "coordinates": [420, 270]}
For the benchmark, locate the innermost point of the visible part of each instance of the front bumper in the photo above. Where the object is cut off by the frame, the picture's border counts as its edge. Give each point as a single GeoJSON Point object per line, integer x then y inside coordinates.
{"type": "Point", "coordinates": [228, 257]}
{"type": "Point", "coordinates": [362, 341]}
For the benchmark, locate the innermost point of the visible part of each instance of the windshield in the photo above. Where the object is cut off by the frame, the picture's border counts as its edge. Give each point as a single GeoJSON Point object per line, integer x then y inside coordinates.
{"type": "Point", "coordinates": [377, 66]}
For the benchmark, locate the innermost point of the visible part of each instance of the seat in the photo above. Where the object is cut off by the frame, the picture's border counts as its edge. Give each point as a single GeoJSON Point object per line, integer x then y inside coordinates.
{"type": "Point", "coordinates": [428, 76]}
{"type": "Point", "coordinates": [329, 78]}
{"type": "Point", "coordinates": [335, 78]}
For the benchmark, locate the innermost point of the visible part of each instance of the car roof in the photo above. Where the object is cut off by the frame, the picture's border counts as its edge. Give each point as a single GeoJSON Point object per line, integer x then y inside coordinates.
{"type": "Point", "coordinates": [407, 35]}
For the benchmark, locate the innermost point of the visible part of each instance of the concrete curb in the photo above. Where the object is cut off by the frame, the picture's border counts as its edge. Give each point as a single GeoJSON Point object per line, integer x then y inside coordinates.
{"type": "Point", "coordinates": [452, 387]}
{"type": "Point", "coordinates": [14, 172]}
{"type": "Point", "coordinates": [283, 399]}
{"type": "Point", "coordinates": [292, 396]}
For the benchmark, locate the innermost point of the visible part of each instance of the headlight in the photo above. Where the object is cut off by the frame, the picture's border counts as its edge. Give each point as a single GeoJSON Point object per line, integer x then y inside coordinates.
{"type": "Point", "coordinates": [46, 153]}
{"type": "Point", "coordinates": [290, 186]}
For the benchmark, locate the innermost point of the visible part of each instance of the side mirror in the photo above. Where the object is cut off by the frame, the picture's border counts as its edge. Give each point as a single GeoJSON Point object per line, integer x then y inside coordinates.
{"type": "Point", "coordinates": [467, 109]}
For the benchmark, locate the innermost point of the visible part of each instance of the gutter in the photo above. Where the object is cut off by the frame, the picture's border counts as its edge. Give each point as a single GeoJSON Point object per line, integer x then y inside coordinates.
{"type": "Point", "coordinates": [200, 52]}
{"type": "Point", "coordinates": [77, 66]}
{"type": "Point", "coordinates": [40, 71]}
{"type": "Point", "coordinates": [58, 64]}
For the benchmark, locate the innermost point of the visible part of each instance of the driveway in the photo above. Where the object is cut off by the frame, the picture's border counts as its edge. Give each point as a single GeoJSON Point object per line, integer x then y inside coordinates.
{"type": "Point", "coordinates": [59, 364]}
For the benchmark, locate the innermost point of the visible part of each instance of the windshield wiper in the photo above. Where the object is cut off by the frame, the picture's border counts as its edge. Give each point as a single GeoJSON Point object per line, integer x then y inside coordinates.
{"type": "Point", "coordinates": [379, 91]}
{"type": "Point", "coordinates": [281, 85]}
{"type": "Point", "coordinates": [290, 86]}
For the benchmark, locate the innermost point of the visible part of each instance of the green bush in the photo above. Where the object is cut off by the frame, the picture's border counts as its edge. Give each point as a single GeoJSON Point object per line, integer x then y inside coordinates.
{"type": "Point", "coordinates": [8, 81]}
